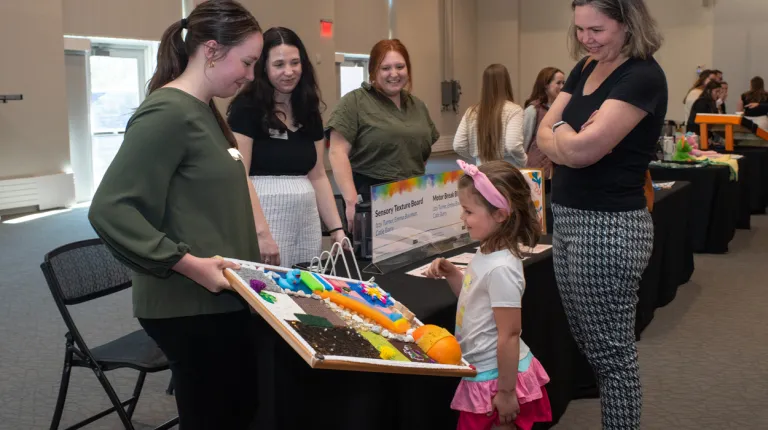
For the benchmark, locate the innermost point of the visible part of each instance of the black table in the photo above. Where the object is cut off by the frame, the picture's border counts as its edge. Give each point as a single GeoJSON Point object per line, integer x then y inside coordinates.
{"type": "Point", "coordinates": [758, 176]}
{"type": "Point", "coordinates": [671, 263]}
{"type": "Point", "coordinates": [386, 401]}
{"type": "Point", "coordinates": [714, 202]}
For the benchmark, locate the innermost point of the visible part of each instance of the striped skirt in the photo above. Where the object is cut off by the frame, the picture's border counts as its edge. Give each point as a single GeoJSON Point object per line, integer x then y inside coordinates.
{"type": "Point", "coordinates": [290, 207]}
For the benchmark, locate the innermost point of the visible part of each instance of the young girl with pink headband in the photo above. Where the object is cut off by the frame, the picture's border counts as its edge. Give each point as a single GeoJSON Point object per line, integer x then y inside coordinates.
{"type": "Point", "coordinates": [508, 391]}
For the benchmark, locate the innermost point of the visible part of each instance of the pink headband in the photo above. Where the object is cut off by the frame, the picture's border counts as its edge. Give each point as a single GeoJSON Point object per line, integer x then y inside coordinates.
{"type": "Point", "coordinates": [484, 185]}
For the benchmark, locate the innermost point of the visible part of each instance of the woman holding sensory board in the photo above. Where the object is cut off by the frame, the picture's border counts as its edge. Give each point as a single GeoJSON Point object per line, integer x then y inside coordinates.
{"type": "Point", "coordinates": [161, 210]}
{"type": "Point", "coordinates": [380, 132]}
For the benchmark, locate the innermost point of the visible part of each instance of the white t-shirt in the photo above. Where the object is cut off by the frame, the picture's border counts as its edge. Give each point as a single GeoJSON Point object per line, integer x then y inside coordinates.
{"type": "Point", "coordinates": [492, 280]}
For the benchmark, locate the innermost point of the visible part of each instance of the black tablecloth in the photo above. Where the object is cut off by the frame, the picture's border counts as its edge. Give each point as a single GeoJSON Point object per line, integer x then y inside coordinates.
{"type": "Point", "coordinates": [671, 263]}
{"type": "Point", "coordinates": [758, 176]}
{"type": "Point", "coordinates": [714, 202]}
{"type": "Point", "coordinates": [748, 178]}
{"type": "Point", "coordinates": [385, 401]}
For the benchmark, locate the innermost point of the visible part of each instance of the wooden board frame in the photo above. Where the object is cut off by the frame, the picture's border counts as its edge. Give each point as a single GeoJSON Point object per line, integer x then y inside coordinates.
{"type": "Point", "coordinates": [319, 361]}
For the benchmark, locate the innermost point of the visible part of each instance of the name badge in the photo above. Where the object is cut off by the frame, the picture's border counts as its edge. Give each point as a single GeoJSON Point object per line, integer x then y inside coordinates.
{"type": "Point", "coordinates": [236, 155]}
{"type": "Point", "coordinates": [277, 134]}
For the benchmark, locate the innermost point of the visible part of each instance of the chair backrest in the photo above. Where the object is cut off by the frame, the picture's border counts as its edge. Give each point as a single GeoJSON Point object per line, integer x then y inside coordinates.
{"type": "Point", "coordinates": [83, 271]}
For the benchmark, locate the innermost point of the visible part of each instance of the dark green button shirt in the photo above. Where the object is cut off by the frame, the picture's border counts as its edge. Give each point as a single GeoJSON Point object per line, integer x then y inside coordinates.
{"type": "Point", "coordinates": [174, 188]}
{"type": "Point", "coordinates": [387, 143]}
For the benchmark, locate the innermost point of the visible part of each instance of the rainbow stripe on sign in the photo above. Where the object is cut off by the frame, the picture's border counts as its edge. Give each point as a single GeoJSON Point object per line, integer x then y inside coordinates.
{"type": "Point", "coordinates": [386, 191]}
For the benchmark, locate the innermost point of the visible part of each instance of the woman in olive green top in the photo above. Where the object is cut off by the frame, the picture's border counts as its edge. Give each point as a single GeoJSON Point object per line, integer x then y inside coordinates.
{"type": "Point", "coordinates": [380, 132]}
{"type": "Point", "coordinates": [175, 196]}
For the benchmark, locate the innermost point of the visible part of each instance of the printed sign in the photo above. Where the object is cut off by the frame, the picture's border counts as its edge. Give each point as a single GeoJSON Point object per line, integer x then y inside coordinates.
{"type": "Point", "coordinates": [414, 212]}
{"type": "Point", "coordinates": [422, 210]}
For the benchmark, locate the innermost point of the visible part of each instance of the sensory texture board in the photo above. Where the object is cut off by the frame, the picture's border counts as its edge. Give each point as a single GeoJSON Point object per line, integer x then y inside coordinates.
{"type": "Point", "coordinates": [346, 324]}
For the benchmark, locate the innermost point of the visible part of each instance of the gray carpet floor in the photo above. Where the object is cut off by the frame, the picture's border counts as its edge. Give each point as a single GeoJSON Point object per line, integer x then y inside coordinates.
{"type": "Point", "coordinates": [703, 358]}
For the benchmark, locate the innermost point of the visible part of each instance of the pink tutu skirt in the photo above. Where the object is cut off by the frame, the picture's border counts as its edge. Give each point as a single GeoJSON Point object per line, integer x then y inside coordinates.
{"type": "Point", "coordinates": [474, 399]}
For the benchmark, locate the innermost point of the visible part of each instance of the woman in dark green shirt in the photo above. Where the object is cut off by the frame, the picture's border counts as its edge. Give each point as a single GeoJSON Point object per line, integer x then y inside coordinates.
{"type": "Point", "coordinates": [380, 132]}
{"type": "Point", "coordinates": [175, 196]}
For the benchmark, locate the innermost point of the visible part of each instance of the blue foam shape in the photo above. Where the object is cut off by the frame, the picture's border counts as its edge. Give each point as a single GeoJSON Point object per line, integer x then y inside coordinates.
{"type": "Point", "coordinates": [395, 316]}
{"type": "Point", "coordinates": [323, 282]}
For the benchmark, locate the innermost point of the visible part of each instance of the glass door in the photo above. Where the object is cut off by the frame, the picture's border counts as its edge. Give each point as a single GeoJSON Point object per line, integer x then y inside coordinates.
{"type": "Point", "coordinates": [118, 79]}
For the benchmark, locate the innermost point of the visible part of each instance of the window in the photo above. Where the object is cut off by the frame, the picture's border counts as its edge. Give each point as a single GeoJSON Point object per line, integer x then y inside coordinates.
{"type": "Point", "coordinates": [118, 71]}
{"type": "Point", "coordinates": [353, 71]}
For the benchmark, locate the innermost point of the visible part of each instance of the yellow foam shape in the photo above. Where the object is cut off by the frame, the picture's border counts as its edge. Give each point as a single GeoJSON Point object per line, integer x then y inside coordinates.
{"type": "Point", "coordinates": [431, 337]}
{"type": "Point", "coordinates": [401, 327]}
{"type": "Point", "coordinates": [387, 350]}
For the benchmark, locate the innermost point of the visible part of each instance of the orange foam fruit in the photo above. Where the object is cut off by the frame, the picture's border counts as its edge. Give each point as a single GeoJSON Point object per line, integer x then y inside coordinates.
{"type": "Point", "coordinates": [438, 343]}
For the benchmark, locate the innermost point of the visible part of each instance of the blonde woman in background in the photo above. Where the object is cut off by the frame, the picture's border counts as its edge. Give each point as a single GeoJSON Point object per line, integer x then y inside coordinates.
{"type": "Point", "coordinates": [493, 129]}
{"type": "Point", "coordinates": [548, 84]}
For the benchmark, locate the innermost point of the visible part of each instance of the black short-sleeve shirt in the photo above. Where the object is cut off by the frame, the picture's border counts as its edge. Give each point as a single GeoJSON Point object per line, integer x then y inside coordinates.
{"type": "Point", "coordinates": [615, 182]}
{"type": "Point", "coordinates": [276, 153]}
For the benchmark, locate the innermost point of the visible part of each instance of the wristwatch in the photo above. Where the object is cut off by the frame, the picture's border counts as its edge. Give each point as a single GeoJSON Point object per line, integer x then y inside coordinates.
{"type": "Point", "coordinates": [557, 124]}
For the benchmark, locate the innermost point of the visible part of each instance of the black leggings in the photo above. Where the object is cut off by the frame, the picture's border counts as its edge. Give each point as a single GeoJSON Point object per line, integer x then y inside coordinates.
{"type": "Point", "coordinates": [213, 363]}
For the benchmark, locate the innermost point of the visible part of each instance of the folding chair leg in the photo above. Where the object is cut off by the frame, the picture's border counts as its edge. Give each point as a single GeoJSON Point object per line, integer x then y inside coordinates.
{"type": "Point", "coordinates": [63, 387]}
{"type": "Point", "coordinates": [169, 390]}
{"type": "Point", "coordinates": [136, 393]}
{"type": "Point", "coordinates": [114, 399]}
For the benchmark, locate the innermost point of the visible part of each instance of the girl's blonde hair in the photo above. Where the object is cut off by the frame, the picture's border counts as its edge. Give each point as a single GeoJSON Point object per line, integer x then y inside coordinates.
{"type": "Point", "coordinates": [522, 225]}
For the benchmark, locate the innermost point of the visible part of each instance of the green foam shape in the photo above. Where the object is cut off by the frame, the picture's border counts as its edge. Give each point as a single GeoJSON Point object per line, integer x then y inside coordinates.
{"type": "Point", "coordinates": [313, 320]}
{"type": "Point", "coordinates": [311, 282]}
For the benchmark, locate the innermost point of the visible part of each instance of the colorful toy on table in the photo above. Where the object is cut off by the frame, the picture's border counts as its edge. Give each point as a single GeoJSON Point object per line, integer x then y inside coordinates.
{"type": "Point", "coordinates": [257, 285]}
{"type": "Point", "coordinates": [373, 294]}
{"type": "Point", "coordinates": [338, 286]}
{"type": "Point", "coordinates": [315, 282]}
{"type": "Point", "coordinates": [438, 343]}
{"type": "Point", "coordinates": [366, 310]}
{"type": "Point", "coordinates": [292, 282]}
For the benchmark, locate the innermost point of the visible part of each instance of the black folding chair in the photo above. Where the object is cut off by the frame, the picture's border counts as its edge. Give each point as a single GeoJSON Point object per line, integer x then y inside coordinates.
{"type": "Point", "coordinates": [83, 271]}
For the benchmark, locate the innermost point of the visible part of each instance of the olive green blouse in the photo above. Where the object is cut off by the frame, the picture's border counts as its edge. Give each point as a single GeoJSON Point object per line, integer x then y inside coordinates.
{"type": "Point", "coordinates": [174, 188]}
{"type": "Point", "coordinates": [387, 143]}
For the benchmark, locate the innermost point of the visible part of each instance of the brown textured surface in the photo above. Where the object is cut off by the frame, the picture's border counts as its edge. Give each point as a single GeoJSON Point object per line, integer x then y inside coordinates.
{"type": "Point", "coordinates": [318, 308]}
{"type": "Point", "coordinates": [401, 346]}
{"type": "Point", "coordinates": [341, 341]}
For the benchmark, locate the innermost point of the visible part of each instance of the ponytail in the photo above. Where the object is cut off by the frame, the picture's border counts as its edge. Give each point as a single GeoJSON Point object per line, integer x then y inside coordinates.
{"type": "Point", "coordinates": [172, 58]}
{"type": "Point", "coordinates": [223, 125]}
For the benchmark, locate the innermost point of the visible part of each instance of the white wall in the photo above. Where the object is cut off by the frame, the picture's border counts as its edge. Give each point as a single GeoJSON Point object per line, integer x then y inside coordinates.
{"type": "Point", "coordinates": [687, 26]}
{"type": "Point", "coordinates": [498, 39]}
{"type": "Point", "coordinates": [34, 136]}
{"type": "Point", "coordinates": [740, 44]}
{"type": "Point", "coordinates": [543, 40]}
{"type": "Point", "coordinates": [359, 24]}
{"type": "Point", "coordinates": [134, 19]}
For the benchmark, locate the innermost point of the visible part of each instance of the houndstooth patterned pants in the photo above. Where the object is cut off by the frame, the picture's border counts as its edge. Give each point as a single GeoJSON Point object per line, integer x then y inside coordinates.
{"type": "Point", "coordinates": [599, 258]}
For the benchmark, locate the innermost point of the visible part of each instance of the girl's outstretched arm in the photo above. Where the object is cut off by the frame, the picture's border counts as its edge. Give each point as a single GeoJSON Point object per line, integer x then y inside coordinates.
{"type": "Point", "coordinates": [507, 356]}
{"type": "Point", "coordinates": [442, 268]}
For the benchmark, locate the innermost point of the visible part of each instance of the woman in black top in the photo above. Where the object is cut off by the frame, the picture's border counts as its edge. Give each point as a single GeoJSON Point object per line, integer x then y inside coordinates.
{"type": "Point", "coordinates": [277, 124]}
{"type": "Point", "coordinates": [754, 103]}
{"type": "Point", "coordinates": [706, 103]}
{"type": "Point", "coordinates": [601, 132]}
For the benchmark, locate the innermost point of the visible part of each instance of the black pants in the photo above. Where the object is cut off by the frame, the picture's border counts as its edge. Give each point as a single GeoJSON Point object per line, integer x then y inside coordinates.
{"type": "Point", "coordinates": [213, 363]}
